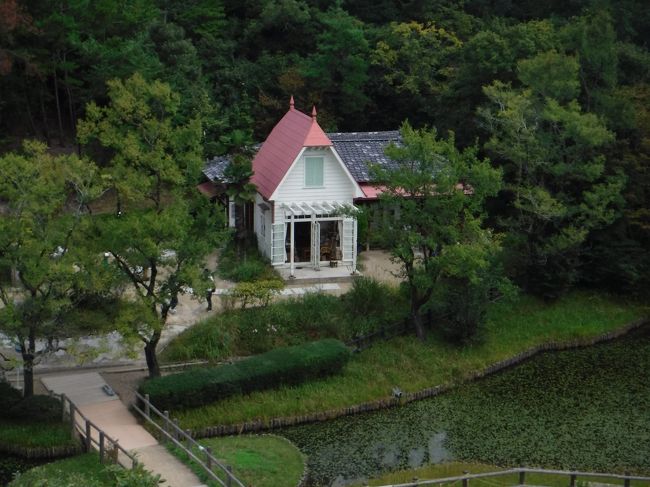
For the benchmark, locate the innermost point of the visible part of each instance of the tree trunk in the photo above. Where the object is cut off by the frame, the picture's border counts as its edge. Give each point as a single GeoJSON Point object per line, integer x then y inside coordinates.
{"type": "Point", "coordinates": [46, 126]}
{"type": "Point", "coordinates": [419, 326]}
{"type": "Point", "coordinates": [28, 365]}
{"type": "Point", "coordinates": [58, 108]}
{"type": "Point", "coordinates": [150, 355]}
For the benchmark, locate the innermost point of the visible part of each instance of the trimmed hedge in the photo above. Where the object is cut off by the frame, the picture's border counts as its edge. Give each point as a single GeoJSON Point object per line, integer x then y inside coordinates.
{"type": "Point", "coordinates": [287, 365]}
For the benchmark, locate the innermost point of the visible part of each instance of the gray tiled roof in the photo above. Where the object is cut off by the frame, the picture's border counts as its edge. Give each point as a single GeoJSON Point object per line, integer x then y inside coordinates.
{"type": "Point", "coordinates": [358, 149]}
{"type": "Point", "coordinates": [214, 168]}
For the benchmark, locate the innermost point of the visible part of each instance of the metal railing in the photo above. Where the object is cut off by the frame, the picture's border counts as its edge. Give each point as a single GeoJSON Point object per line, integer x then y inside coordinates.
{"type": "Point", "coordinates": [182, 439]}
{"type": "Point", "coordinates": [93, 436]}
{"type": "Point", "coordinates": [521, 472]}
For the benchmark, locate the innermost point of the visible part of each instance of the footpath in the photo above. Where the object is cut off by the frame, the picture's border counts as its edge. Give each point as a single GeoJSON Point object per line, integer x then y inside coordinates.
{"type": "Point", "coordinates": [111, 415]}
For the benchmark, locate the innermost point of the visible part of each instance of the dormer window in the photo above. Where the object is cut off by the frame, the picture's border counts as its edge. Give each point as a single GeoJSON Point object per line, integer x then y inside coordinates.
{"type": "Point", "coordinates": [314, 171]}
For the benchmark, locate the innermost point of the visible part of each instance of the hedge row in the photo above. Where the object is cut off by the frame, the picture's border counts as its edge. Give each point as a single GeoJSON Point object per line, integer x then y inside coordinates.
{"type": "Point", "coordinates": [287, 365]}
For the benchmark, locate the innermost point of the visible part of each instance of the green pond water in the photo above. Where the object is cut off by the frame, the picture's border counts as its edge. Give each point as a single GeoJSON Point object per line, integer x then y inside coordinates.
{"type": "Point", "coordinates": [580, 409]}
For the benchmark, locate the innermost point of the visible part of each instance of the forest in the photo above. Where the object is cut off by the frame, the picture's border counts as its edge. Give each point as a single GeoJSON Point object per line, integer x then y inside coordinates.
{"type": "Point", "coordinates": [555, 94]}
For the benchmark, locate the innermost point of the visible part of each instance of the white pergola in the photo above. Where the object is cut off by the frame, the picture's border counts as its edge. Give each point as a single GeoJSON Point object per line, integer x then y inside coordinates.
{"type": "Point", "coordinates": [314, 212]}
{"type": "Point", "coordinates": [316, 209]}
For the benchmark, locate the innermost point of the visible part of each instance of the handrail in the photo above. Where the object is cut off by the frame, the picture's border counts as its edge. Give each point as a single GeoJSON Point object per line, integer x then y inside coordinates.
{"type": "Point", "coordinates": [176, 437]}
{"type": "Point", "coordinates": [522, 471]}
{"type": "Point", "coordinates": [85, 429]}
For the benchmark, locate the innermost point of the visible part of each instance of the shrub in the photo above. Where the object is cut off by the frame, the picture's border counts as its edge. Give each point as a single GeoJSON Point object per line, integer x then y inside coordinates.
{"type": "Point", "coordinates": [8, 396]}
{"type": "Point", "coordinates": [371, 304]}
{"type": "Point", "coordinates": [257, 293]}
{"type": "Point", "coordinates": [247, 265]}
{"type": "Point", "coordinates": [36, 409]}
{"type": "Point", "coordinates": [288, 365]}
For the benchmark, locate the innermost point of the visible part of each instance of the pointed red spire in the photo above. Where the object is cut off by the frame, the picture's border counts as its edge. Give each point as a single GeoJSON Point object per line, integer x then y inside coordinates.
{"type": "Point", "coordinates": [313, 113]}
{"type": "Point", "coordinates": [291, 103]}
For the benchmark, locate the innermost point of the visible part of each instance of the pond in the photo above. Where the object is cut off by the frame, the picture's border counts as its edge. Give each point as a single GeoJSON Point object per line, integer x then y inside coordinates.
{"type": "Point", "coordinates": [586, 409]}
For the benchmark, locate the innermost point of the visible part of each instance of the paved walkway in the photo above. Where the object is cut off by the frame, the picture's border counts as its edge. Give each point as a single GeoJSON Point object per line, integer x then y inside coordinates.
{"type": "Point", "coordinates": [112, 416]}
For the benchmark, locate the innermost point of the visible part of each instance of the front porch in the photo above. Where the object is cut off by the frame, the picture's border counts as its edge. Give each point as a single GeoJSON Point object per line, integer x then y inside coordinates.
{"type": "Point", "coordinates": [315, 241]}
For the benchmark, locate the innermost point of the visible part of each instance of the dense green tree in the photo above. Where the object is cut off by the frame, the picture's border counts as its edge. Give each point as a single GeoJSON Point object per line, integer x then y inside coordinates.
{"type": "Point", "coordinates": [552, 152]}
{"type": "Point", "coordinates": [163, 230]}
{"type": "Point", "coordinates": [44, 203]}
{"type": "Point", "coordinates": [447, 258]}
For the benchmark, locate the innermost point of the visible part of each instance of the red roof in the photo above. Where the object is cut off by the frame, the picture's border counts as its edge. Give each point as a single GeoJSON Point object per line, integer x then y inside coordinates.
{"type": "Point", "coordinates": [208, 189]}
{"type": "Point", "coordinates": [370, 191]}
{"type": "Point", "coordinates": [293, 132]}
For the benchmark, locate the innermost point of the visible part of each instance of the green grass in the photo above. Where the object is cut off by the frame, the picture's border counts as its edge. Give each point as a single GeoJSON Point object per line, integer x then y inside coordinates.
{"type": "Point", "coordinates": [585, 409]}
{"type": "Point", "coordinates": [35, 434]}
{"type": "Point", "coordinates": [82, 470]}
{"type": "Point", "coordinates": [413, 365]}
{"type": "Point", "coordinates": [454, 469]}
{"type": "Point", "coordinates": [262, 460]}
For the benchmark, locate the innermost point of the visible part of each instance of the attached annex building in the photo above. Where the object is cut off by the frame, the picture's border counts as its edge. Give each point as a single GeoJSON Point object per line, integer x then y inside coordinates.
{"type": "Point", "coordinates": [308, 183]}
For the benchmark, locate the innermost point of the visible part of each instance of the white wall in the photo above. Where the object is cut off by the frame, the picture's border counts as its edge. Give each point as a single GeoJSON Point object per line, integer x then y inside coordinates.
{"type": "Point", "coordinates": [337, 186]}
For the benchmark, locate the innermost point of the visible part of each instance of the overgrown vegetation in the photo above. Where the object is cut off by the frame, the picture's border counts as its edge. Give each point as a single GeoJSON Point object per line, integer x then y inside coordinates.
{"type": "Point", "coordinates": [85, 470]}
{"type": "Point", "coordinates": [366, 307]}
{"type": "Point", "coordinates": [262, 461]}
{"type": "Point", "coordinates": [281, 366]}
{"type": "Point", "coordinates": [412, 365]}
{"type": "Point", "coordinates": [245, 264]}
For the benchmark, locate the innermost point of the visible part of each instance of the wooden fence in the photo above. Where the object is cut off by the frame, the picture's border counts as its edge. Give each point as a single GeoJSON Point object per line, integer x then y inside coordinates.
{"type": "Point", "coordinates": [93, 436]}
{"type": "Point", "coordinates": [385, 332]}
{"type": "Point", "coordinates": [572, 477]}
{"type": "Point", "coordinates": [217, 471]}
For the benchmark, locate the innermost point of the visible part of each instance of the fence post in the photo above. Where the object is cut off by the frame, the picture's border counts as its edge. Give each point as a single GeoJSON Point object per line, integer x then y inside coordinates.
{"type": "Point", "coordinates": [175, 428]}
{"type": "Point", "coordinates": [188, 439]}
{"type": "Point", "coordinates": [573, 480]}
{"type": "Point", "coordinates": [522, 477]}
{"type": "Point", "coordinates": [72, 422]}
{"type": "Point", "coordinates": [208, 457]}
{"type": "Point", "coordinates": [88, 433]}
{"type": "Point", "coordinates": [102, 446]}
{"type": "Point", "coordinates": [229, 476]}
{"type": "Point", "coordinates": [147, 408]}
{"type": "Point", "coordinates": [626, 482]}
{"type": "Point", "coordinates": [166, 413]}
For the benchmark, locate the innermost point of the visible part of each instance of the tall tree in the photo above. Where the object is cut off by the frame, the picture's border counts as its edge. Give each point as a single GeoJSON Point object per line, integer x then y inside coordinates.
{"type": "Point", "coordinates": [163, 230]}
{"type": "Point", "coordinates": [436, 194]}
{"type": "Point", "coordinates": [44, 199]}
{"type": "Point", "coordinates": [552, 153]}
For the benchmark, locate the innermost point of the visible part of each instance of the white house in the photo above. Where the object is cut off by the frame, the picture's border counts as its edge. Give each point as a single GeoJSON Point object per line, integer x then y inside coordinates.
{"type": "Point", "coordinates": [307, 185]}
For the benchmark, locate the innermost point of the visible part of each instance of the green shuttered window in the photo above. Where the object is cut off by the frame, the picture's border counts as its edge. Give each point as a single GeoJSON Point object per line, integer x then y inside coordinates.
{"type": "Point", "coordinates": [314, 171]}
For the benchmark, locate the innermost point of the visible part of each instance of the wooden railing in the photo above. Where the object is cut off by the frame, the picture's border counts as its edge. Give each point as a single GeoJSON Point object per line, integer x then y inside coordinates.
{"type": "Point", "coordinates": [572, 477]}
{"type": "Point", "coordinates": [385, 332]}
{"type": "Point", "coordinates": [93, 436]}
{"type": "Point", "coordinates": [169, 429]}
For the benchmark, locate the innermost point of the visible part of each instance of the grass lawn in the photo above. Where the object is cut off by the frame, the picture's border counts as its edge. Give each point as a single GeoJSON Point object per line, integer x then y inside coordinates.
{"type": "Point", "coordinates": [261, 460]}
{"type": "Point", "coordinates": [454, 469]}
{"type": "Point", "coordinates": [413, 365]}
{"type": "Point", "coordinates": [82, 470]}
{"type": "Point", "coordinates": [35, 434]}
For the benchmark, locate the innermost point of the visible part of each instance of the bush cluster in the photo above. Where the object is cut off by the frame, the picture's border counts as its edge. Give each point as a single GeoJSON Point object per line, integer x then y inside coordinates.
{"type": "Point", "coordinates": [287, 365]}
{"type": "Point", "coordinates": [34, 408]}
